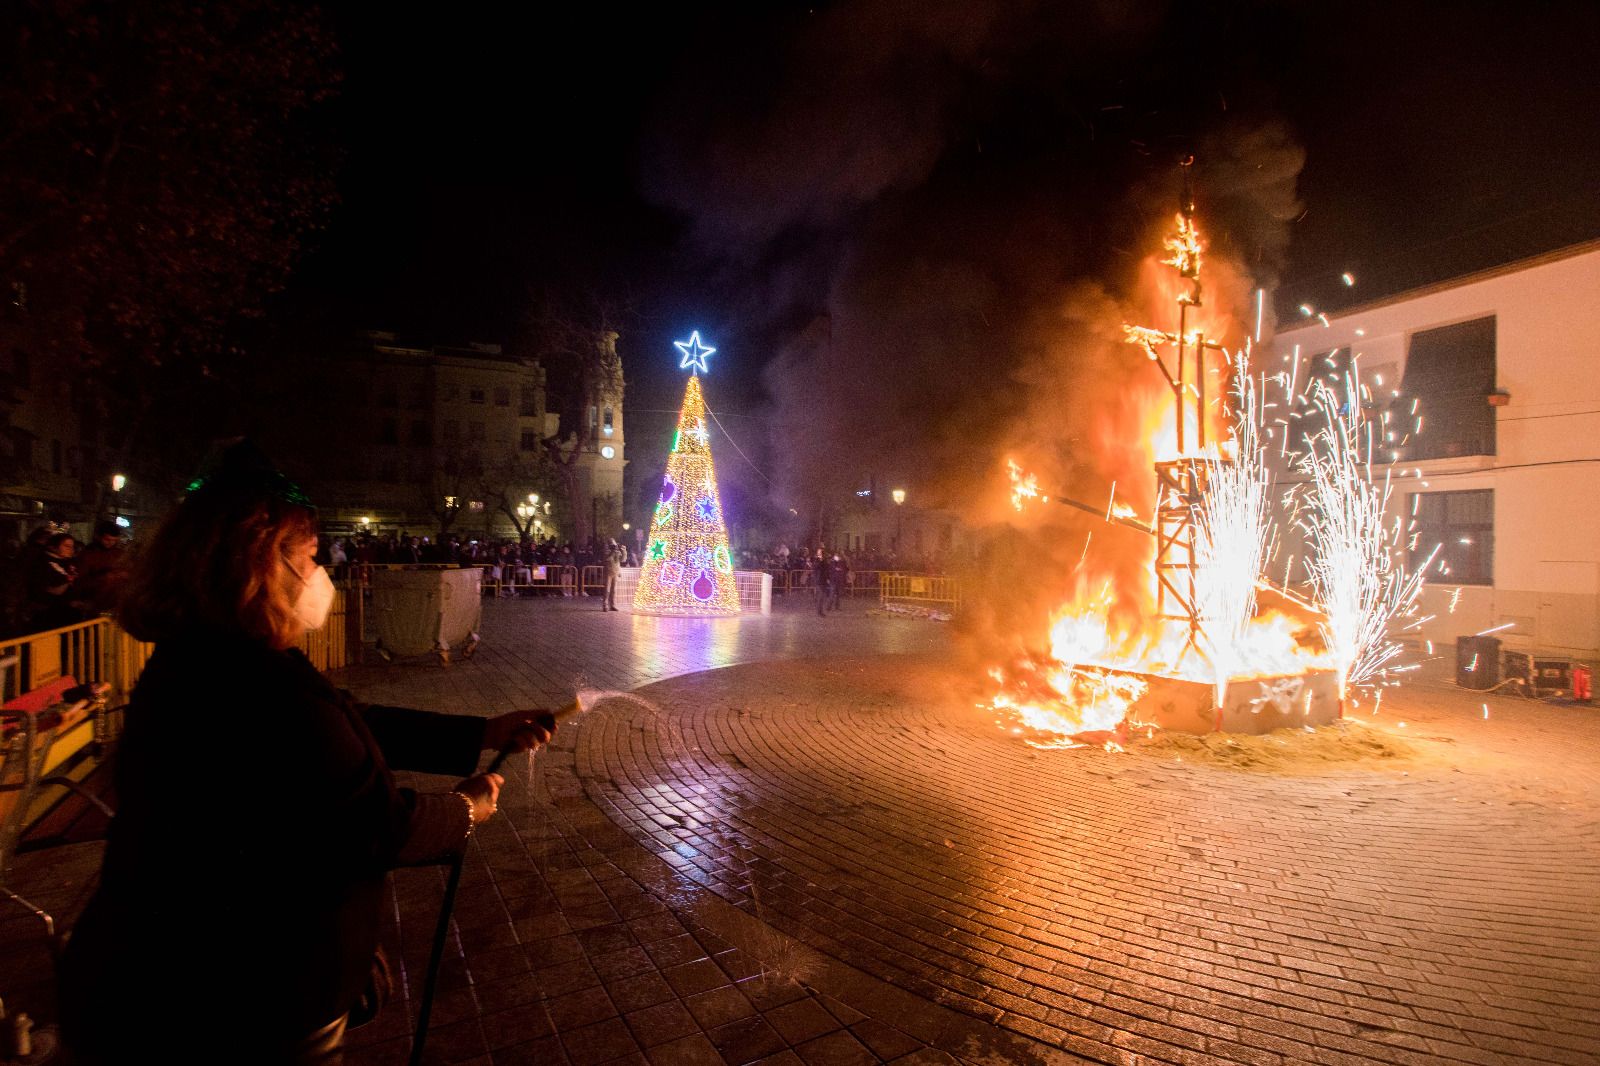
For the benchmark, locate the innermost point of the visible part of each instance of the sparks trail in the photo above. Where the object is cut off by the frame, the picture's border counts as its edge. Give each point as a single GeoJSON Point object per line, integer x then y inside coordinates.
{"type": "Point", "coordinates": [1354, 564]}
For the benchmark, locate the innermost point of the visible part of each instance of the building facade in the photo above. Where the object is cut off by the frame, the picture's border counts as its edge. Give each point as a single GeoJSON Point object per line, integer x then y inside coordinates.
{"type": "Point", "coordinates": [1500, 369]}
{"type": "Point", "coordinates": [430, 440]}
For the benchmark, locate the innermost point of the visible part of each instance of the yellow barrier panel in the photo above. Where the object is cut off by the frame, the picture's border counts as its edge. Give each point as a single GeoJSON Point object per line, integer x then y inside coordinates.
{"type": "Point", "coordinates": [919, 590]}
{"type": "Point", "coordinates": [101, 650]}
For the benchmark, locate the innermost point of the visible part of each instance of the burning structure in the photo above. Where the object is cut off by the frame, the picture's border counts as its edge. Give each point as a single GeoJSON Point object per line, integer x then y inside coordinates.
{"type": "Point", "coordinates": [1213, 644]}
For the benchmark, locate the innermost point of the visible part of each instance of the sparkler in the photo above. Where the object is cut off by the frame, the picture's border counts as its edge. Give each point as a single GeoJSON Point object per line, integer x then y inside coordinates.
{"type": "Point", "coordinates": [1354, 563]}
{"type": "Point", "coordinates": [1234, 531]}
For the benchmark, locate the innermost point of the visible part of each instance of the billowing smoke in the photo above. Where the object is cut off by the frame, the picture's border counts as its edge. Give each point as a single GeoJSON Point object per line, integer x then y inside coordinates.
{"type": "Point", "coordinates": [944, 212]}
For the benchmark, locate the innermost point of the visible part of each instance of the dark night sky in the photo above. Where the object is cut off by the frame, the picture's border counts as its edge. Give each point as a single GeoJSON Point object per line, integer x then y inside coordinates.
{"type": "Point", "coordinates": [743, 173]}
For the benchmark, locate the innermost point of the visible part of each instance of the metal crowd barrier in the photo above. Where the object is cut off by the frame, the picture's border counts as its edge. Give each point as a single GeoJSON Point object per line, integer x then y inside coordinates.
{"type": "Point", "coordinates": [857, 582]}
{"type": "Point", "coordinates": [919, 590]}
{"type": "Point", "coordinates": [101, 650]}
{"type": "Point", "coordinates": [538, 578]}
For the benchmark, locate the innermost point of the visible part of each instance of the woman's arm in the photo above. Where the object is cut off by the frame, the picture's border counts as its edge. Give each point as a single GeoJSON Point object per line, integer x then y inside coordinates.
{"type": "Point", "coordinates": [423, 741]}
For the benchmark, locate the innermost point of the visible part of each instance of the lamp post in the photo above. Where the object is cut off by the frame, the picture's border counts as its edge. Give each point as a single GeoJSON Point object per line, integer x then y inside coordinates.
{"type": "Point", "coordinates": [117, 482]}
{"type": "Point", "coordinates": [899, 496]}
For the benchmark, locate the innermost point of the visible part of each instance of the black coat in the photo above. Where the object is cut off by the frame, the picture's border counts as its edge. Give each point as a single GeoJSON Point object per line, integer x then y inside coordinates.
{"type": "Point", "coordinates": [256, 819]}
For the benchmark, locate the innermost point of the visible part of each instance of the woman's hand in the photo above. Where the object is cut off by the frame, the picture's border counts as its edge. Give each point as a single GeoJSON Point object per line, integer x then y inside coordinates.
{"type": "Point", "coordinates": [484, 792]}
{"type": "Point", "coordinates": [518, 731]}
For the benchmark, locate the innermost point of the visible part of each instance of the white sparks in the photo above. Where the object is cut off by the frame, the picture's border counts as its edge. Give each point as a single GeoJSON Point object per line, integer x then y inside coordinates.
{"type": "Point", "coordinates": [1233, 532]}
{"type": "Point", "coordinates": [1354, 565]}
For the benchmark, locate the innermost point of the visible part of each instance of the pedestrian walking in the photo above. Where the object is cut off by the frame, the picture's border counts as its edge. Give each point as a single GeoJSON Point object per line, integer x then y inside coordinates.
{"type": "Point", "coordinates": [819, 575]}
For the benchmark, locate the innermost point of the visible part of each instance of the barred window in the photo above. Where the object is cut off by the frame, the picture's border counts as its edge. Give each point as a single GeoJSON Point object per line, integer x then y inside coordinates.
{"type": "Point", "coordinates": [1461, 524]}
{"type": "Point", "coordinates": [1450, 372]}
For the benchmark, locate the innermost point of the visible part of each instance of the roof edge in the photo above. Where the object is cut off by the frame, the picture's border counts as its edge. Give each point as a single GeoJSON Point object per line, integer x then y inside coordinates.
{"type": "Point", "coordinates": [1555, 255]}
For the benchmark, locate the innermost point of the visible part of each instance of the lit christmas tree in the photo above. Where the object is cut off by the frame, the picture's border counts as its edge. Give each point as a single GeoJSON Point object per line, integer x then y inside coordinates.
{"type": "Point", "coordinates": [687, 566]}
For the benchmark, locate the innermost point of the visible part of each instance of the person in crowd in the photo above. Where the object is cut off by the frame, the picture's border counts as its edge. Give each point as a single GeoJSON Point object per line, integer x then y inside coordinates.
{"type": "Point", "coordinates": [820, 579]}
{"type": "Point", "coordinates": [102, 570]}
{"type": "Point", "coordinates": [236, 916]}
{"type": "Point", "coordinates": [616, 555]}
{"type": "Point", "coordinates": [838, 576]}
{"type": "Point", "coordinates": [51, 599]}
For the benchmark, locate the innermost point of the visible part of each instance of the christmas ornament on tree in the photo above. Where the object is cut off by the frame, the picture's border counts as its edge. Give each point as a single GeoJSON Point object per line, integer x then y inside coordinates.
{"type": "Point", "coordinates": [687, 566]}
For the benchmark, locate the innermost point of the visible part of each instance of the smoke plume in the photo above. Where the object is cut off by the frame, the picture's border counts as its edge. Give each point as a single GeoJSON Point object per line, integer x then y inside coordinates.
{"type": "Point", "coordinates": [942, 214]}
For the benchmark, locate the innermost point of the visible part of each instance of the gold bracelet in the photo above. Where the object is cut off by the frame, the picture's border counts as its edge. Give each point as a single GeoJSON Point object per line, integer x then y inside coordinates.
{"type": "Point", "coordinates": [472, 821]}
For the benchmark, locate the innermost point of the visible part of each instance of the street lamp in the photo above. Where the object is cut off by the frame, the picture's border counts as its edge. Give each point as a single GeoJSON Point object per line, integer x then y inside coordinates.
{"type": "Point", "coordinates": [533, 498]}
{"type": "Point", "coordinates": [117, 482]}
{"type": "Point", "coordinates": [899, 518]}
{"type": "Point", "coordinates": [899, 496]}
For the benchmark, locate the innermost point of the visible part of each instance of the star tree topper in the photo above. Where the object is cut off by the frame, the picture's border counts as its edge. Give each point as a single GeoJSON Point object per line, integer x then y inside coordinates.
{"type": "Point", "coordinates": [694, 354]}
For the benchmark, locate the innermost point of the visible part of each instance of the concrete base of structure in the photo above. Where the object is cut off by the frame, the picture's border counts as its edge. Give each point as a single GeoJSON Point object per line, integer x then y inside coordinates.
{"type": "Point", "coordinates": [1250, 705]}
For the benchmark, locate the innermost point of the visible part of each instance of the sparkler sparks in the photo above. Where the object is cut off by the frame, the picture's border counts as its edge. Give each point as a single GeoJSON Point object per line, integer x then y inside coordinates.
{"type": "Point", "coordinates": [1354, 564]}
{"type": "Point", "coordinates": [1234, 530]}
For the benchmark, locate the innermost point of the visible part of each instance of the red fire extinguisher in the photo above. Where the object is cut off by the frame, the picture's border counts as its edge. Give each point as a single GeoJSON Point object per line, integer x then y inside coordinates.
{"type": "Point", "coordinates": [1581, 683]}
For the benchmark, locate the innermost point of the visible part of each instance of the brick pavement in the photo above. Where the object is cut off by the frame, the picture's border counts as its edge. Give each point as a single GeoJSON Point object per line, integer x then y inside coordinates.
{"type": "Point", "coordinates": [815, 860]}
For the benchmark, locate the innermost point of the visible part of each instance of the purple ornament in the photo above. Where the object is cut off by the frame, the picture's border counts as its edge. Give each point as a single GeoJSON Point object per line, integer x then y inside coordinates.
{"type": "Point", "coordinates": [668, 491]}
{"type": "Point", "coordinates": [704, 587]}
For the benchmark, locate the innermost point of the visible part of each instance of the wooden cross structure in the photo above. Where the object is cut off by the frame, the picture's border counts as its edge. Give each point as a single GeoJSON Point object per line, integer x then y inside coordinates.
{"type": "Point", "coordinates": [1180, 482]}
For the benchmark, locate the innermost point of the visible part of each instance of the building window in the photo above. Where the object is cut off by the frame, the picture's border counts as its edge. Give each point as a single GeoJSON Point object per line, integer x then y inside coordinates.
{"type": "Point", "coordinates": [22, 368]}
{"type": "Point", "coordinates": [594, 417]}
{"type": "Point", "coordinates": [502, 396]}
{"type": "Point", "coordinates": [474, 430]}
{"type": "Point", "coordinates": [417, 397]}
{"type": "Point", "coordinates": [606, 425]}
{"type": "Point", "coordinates": [475, 505]}
{"type": "Point", "coordinates": [1461, 524]}
{"type": "Point", "coordinates": [453, 393]}
{"type": "Point", "coordinates": [1307, 421]}
{"type": "Point", "coordinates": [388, 396]}
{"type": "Point", "coordinates": [1450, 372]}
{"type": "Point", "coordinates": [419, 433]}
{"type": "Point", "coordinates": [388, 433]}
{"type": "Point", "coordinates": [474, 395]}
{"type": "Point", "coordinates": [452, 431]}
{"type": "Point", "coordinates": [530, 403]}
{"type": "Point", "coordinates": [530, 440]}
{"type": "Point", "coordinates": [55, 457]}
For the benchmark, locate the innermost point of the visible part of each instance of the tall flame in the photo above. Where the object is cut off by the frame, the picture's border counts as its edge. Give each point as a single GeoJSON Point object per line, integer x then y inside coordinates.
{"type": "Point", "coordinates": [1107, 638]}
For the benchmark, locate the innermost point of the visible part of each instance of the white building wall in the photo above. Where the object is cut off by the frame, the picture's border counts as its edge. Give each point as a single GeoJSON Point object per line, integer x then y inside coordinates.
{"type": "Point", "coordinates": [1546, 470]}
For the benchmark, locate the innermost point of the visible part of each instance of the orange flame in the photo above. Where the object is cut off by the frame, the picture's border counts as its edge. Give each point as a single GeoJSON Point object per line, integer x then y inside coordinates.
{"type": "Point", "coordinates": [1106, 638]}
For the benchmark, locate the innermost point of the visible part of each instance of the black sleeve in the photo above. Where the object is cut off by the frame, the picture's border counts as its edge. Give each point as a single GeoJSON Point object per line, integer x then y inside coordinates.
{"type": "Point", "coordinates": [426, 742]}
{"type": "Point", "coordinates": [436, 828]}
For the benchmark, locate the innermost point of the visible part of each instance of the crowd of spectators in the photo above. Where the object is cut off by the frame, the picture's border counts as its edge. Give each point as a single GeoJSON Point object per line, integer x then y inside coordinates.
{"type": "Point", "coordinates": [511, 561]}
{"type": "Point", "coordinates": [782, 557]}
{"type": "Point", "coordinates": [51, 580]}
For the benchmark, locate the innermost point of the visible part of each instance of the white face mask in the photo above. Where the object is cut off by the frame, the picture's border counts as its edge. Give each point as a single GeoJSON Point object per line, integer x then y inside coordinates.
{"type": "Point", "coordinates": [315, 599]}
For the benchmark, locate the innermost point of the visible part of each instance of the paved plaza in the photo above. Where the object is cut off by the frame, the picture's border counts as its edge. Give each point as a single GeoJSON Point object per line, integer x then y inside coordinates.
{"type": "Point", "coordinates": [797, 840]}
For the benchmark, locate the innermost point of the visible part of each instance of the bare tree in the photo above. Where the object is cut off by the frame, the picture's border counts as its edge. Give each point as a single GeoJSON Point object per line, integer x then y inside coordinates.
{"type": "Point", "coordinates": [459, 475]}
{"type": "Point", "coordinates": [510, 480]}
{"type": "Point", "coordinates": [576, 338]}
